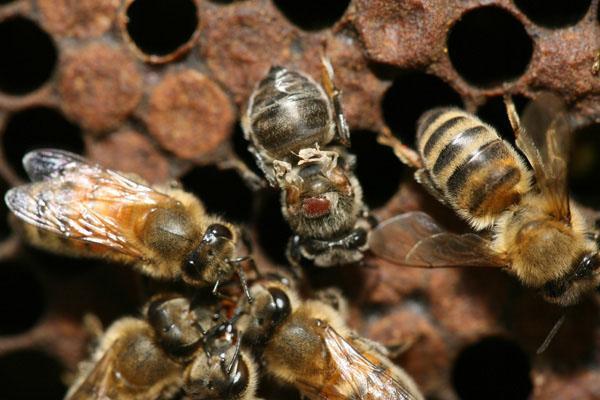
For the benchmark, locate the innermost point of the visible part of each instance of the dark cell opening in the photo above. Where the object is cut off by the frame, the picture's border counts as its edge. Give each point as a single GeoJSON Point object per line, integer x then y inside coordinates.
{"type": "Point", "coordinates": [35, 128]}
{"type": "Point", "coordinates": [160, 27]}
{"type": "Point", "coordinates": [411, 94]}
{"type": "Point", "coordinates": [30, 375]}
{"type": "Point", "coordinates": [240, 146]}
{"type": "Point", "coordinates": [21, 299]}
{"type": "Point", "coordinates": [488, 46]}
{"type": "Point", "coordinates": [585, 164]}
{"type": "Point", "coordinates": [312, 14]}
{"type": "Point", "coordinates": [273, 230]}
{"type": "Point", "coordinates": [493, 112]}
{"type": "Point", "coordinates": [378, 169]}
{"type": "Point", "coordinates": [492, 368]}
{"type": "Point", "coordinates": [6, 1]}
{"type": "Point", "coordinates": [554, 13]}
{"type": "Point", "coordinates": [28, 56]}
{"type": "Point", "coordinates": [223, 192]}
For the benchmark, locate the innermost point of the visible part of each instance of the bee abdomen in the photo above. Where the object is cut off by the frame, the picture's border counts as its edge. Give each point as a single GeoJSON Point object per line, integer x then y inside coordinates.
{"type": "Point", "coordinates": [288, 112]}
{"type": "Point", "coordinates": [479, 173]}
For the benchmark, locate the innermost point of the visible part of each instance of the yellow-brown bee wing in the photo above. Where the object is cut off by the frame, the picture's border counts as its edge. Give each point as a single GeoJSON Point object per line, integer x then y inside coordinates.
{"type": "Point", "coordinates": [358, 379]}
{"type": "Point", "coordinates": [415, 239]}
{"type": "Point", "coordinates": [99, 383]}
{"type": "Point", "coordinates": [545, 140]}
{"type": "Point", "coordinates": [81, 201]}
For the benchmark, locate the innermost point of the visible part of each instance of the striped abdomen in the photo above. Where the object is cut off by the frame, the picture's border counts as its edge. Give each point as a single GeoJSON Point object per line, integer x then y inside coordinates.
{"type": "Point", "coordinates": [478, 173]}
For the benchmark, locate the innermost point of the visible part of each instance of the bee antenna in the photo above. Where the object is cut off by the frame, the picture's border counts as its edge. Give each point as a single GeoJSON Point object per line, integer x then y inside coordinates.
{"type": "Point", "coordinates": [236, 262]}
{"type": "Point", "coordinates": [551, 334]}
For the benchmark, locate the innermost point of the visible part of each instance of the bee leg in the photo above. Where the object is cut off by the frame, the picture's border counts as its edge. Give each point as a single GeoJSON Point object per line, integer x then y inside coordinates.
{"type": "Point", "coordinates": [253, 181]}
{"type": "Point", "coordinates": [424, 179]}
{"type": "Point", "coordinates": [334, 94]}
{"type": "Point", "coordinates": [513, 116]}
{"type": "Point", "coordinates": [236, 264]}
{"type": "Point", "coordinates": [404, 153]}
{"type": "Point", "coordinates": [264, 166]}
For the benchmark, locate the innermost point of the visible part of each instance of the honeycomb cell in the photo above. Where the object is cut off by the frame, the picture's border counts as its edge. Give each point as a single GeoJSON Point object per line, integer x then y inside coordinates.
{"type": "Point", "coordinates": [22, 298]}
{"type": "Point", "coordinates": [28, 56]}
{"type": "Point", "coordinates": [100, 86]}
{"type": "Point", "coordinates": [488, 46]}
{"type": "Point", "coordinates": [585, 164]}
{"type": "Point", "coordinates": [554, 13]}
{"type": "Point", "coordinates": [130, 151]}
{"type": "Point", "coordinates": [189, 114]}
{"type": "Point", "coordinates": [378, 170]}
{"type": "Point", "coordinates": [312, 14]}
{"type": "Point", "coordinates": [493, 368]}
{"type": "Point", "coordinates": [411, 94]}
{"type": "Point", "coordinates": [82, 19]}
{"type": "Point", "coordinates": [272, 230]}
{"type": "Point", "coordinates": [38, 127]}
{"type": "Point", "coordinates": [30, 374]}
{"type": "Point", "coordinates": [161, 30]}
{"type": "Point", "coordinates": [222, 192]}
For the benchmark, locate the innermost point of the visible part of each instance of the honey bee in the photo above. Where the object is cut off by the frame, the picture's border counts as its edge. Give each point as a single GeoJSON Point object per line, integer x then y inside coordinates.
{"type": "Point", "coordinates": [166, 353]}
{"type": "Point", "coordinates": [77, 208]}
{"type": "Point", "coordinates": [290, 123]}
{"type": "Point", "coordinates": [533, 229]}
{"type": "Point", "coordinates": [307, 344]}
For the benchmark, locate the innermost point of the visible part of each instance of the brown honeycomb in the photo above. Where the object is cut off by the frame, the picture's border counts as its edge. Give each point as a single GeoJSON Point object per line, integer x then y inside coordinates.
{"type": "Point", "coordinates": [157, 87]}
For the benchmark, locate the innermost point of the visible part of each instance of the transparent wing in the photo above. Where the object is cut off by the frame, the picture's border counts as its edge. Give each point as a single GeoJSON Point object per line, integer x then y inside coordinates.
{"type": "Point", "coordinates": [545, 139]}
{"type": "Point", "coordinates": [85, 202]}
{"type": "Point", "coordinates": [99, 384]}
{"type": "Point", "coordinates": [415, 239]}
{"type": "Point", "coordinates": [359, 378]}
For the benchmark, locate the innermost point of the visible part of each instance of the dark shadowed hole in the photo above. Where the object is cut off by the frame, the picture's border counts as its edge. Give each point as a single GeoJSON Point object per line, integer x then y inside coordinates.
{"type": "Point", "coordinates": [30, 374]}
{"type": "Point", "coordinates": [411, 94]}
{"type": "Point", "coordinates": [273, 230]}
{"type": "Point", "coordinates": [312, 14]}
{"type": "Point", "coordinates": [223, 192]}
{"type": "Point", "coordinates": [35, 128]}
{"type": "Point", "coordinates": [21, 298]}
{"type": "Point", "coordinates": [585, 164]}
{"type": "Point", "coordinates": [6, 1]}
{"type": "Point", "coordinates": [160, 27]}
{"type": "Point", "coordinates": [554, 13]}
{"type": "Point", "coordinates": [488, 46]}
{"type": "Point", "coordinates": [492, 368]}
{"type": "Point", "coordinates": [28, 56]}
{"type": "Point", "coordinates": [377, 169]}
{"type": "Point", "coordinates": [240, 146]}
{"type": "Point", "coordinates": [493, 112]}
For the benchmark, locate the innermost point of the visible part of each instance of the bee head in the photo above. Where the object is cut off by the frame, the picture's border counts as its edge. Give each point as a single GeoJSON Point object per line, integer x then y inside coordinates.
{"type": "Point", "coordinates": [209, 261]}
{"type": "Point", "coordinates": [271, 307]}
{"type": "Point", "coordinates": [583, 278]}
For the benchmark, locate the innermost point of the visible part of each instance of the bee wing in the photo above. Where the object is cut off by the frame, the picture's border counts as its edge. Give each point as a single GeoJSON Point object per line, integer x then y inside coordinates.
{"type": "Point", "coordinates": [358, 377]}
{"type": "Point", "coordinates": [45, 164]}
{"type": "Point", "coordinates": [545, 140]}
{"type": "Point", "coordinates": [415, 239]}
{"type": "Point", "coordinates": [81, 201]}
{"type": "Point", "coordinates": [99, 383]}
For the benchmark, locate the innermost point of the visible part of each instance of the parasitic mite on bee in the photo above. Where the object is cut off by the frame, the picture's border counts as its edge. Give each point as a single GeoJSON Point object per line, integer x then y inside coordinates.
{"type": "Point", "coordinates": [306, 344]}
{"type": "Point", "coordinates": [298, 135]}
{"type": "Point", "coordinates": [527, 222]}
{"type": "Point", "coordinates": [77, 208]}
{"type": "Point", "coordinates": [177, 347]}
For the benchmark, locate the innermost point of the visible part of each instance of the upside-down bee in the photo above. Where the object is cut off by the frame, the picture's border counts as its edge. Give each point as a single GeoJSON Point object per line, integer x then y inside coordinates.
{"type": "Point", "coordinates": [291, 122]}
{"type": "Point", "coordinates": [77, 208]}
{"type": "Point", "coordinates": [534, 230]}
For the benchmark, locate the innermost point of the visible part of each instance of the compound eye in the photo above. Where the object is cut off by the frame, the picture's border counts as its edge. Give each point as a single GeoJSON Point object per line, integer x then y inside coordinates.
{"type": "Point", "coordinates": [239, 380]}
{"type": "Point", "coordinates": [219, 230]}
{"type": "Point", "coordinates": [282, 304]}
